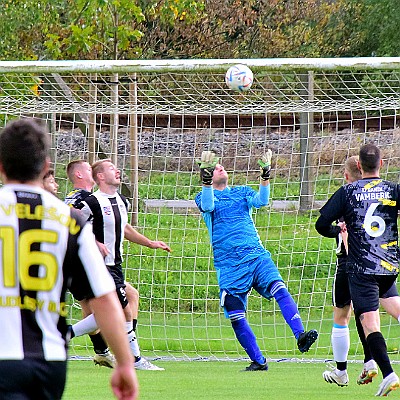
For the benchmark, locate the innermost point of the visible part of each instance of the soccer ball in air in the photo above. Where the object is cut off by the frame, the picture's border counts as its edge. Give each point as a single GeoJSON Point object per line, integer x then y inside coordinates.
{"type": "Point", "coordinates": [239, 77]}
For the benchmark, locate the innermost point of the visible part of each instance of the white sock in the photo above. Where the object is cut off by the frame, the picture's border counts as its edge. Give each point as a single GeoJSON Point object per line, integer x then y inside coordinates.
{"type": "Point", "coordinates": [340, 343]}
{"type": "Point", "coordinates": [85, 325]}
{"type": "Point", "coordinates": [133, 343]}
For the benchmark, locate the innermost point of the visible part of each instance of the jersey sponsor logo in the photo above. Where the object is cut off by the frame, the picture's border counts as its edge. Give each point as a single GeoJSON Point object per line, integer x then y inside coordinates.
{"type": "Point", "coordinates": [380, 196]}
{"type": "Point", "coordinates": [107, 210]}
{"type": "Point", "coordinates": [27, 195]}
{"type": "Point", "coordinates": [31, 304]}
{"type": "Point", "coordinates": [372, 185]}
{"type": "Point", "coordinates": [371, 191]}
{"type": "Point", "coordinates": [23, 211]}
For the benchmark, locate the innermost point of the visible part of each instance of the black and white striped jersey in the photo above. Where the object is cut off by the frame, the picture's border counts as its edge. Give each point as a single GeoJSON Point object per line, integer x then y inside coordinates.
{"type": "Point", "coordinates": [109, 216]}
{"type": "Point", "coordinates": [75, 197]}
{"type": "Point", "coordinates": [44, 247]}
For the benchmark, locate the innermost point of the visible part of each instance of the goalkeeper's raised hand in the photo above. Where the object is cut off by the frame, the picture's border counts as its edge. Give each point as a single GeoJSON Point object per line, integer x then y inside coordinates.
{"type": "Point", "coordinates": [265, 165]}
{"type": "Point", "coordinates": [207, 165]}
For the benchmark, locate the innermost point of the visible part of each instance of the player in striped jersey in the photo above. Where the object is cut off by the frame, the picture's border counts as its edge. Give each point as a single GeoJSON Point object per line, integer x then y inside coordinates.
{"type": "Point", "coordinates": [240, 259]}
{"type": "Point", "coordinates": [107, 210]}
{"type": "Point", "coordinates": [370, 209]}
{"type": "Point", "coordinates": [79, 172]}
{"type": "Point", "coordinates": [46, 249]}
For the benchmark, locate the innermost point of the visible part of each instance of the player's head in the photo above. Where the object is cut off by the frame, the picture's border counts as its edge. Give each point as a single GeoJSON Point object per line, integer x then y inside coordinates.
{"type": "Point", "coordinates": [79, 172]}
{"type": "Point", "coordinates": [24, 150]}
{"type": "Point", "coordinates": [370, 158]}
{"type": "Point", "coordinates": [49, 182]}
{"type": "Point", "coordinates": [351, 171]}
{"type": "Point", "coordinates": [220, 176]}
{"type": "Point", "coordinates": [104, 172]}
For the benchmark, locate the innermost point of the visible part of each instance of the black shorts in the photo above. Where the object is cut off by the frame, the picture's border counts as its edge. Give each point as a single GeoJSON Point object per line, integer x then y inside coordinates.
{"type": "Point", "coordinates": [340, 289]}
{"type": "Point", "coordinates": [32, 379]}
{"type": "Point", "coordinates": [366, 290]}
{"type": "Point", "coordinates": [79, 291]}
{"type": "Point", "coordinates": [119, 280]}
{"type": "Point", "coordinates": [392, 292]}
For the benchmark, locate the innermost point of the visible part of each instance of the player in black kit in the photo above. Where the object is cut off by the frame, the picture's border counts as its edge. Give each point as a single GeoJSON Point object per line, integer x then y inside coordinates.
{"type": "Point", "coordinates": [369, 207]}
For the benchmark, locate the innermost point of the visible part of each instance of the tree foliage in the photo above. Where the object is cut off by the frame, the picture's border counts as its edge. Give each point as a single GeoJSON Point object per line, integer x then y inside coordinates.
{"type": "Point", "coordinates": [129, 29]}
{"type": "Point", "coordinates": [380, 28]}
{"type": "Point", "coordinates": [257, 28]}
{"type": "Point", "coordinates": [25, 26]}
{"type": "Point", "coordinates": [97, 29]}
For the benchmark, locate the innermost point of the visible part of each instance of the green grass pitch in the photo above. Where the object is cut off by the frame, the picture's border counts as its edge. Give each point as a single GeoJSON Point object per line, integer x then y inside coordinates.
{"type": "Point", "coordinates": [206, 380]}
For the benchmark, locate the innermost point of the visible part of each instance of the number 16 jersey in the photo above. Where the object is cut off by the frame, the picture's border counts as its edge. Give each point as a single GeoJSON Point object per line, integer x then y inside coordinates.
{"type": "Point", "coordinates": [369, 208]}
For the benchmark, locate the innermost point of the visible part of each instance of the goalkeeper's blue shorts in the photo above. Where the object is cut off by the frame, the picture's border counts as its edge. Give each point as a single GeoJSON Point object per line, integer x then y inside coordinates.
{"type": "Point", "coordinates": [237, 281]}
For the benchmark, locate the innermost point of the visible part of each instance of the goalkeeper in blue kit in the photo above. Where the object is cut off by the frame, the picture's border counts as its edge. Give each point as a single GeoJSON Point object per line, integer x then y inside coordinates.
{"type": "Point", "coordinates": [240, 259]}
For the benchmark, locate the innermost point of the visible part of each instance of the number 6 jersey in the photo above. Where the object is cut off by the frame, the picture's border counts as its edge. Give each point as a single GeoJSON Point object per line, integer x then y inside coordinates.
{"type": "Point", "coordinates": [369, 208]}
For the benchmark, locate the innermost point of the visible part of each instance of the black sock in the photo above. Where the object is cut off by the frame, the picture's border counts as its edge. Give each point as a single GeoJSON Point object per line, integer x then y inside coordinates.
{"type": "Point", "coordinates": [99, 345]}
{"type": "Point", "coordinates": [378, 349]}
{"type": "Point", "coordinates": [361, 334]}
{"type": "Point", "coordinates": [341, 365]}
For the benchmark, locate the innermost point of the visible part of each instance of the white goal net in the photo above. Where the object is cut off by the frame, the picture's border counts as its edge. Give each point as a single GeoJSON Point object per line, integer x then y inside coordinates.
{"type": "Point", "coordinates": [154, 118]}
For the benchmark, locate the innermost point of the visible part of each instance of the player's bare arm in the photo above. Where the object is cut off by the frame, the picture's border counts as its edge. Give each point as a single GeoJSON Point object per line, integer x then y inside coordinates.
{"type": "Point", "coordinates": [134, 236]}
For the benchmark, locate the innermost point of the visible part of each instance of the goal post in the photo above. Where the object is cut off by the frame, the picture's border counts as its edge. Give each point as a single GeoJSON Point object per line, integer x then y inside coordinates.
{"type": "Point", "coordinates": [154, 118]}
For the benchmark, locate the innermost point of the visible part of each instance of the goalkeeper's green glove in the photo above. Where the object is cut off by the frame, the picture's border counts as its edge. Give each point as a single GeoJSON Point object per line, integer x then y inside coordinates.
{"type": "Point", "coordinates": [265, 165]}
{"type": "Point", "coordinates": [207, 165]}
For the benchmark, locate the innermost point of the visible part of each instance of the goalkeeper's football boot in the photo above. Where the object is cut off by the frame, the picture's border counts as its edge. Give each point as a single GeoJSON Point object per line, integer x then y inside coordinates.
{"type": "Point", "coordinates": [340, 378]}
{"type": "Point", "coordinates": [369, 372]}
{"type": "Point", "coordinates": [306, 339]}
{"type": "Point", "coordinates": [105, 359]}
{"type": "Point", "coordinates": [391, 382]}
{"type": "Point", "coordinates": [143, 364]}
{"type": "Point", "coordinates": [255, 366]}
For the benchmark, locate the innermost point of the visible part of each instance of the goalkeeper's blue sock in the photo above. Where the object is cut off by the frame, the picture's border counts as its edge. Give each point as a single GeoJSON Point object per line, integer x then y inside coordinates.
{"type": "Point", "coordinates": [245, 335]}
{"type": "Point", "coordinates": [288, 307]}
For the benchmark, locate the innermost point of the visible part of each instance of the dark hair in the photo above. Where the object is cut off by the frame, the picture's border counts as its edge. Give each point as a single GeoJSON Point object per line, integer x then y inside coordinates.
{"type": "Point", "coordinates": [49, 173]}
{"type": "Point", "coordinates": [24, 147]}
{"type": "Point", "coordinates": [370, 157]}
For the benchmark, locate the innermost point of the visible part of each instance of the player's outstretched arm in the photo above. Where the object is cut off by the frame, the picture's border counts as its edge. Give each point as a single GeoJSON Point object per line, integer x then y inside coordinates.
{"type": "Point", "coordinates": [265, 166]}
{"type": "Point", "coordinates": [207, 165]}
{"type": "Point", "coordinates": [110, 317]}
{"type": "Point", "coordinates": [134, 236]}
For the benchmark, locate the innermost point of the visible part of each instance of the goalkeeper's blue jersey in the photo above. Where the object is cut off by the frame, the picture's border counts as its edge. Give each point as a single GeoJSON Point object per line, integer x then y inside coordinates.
{"type": "Point", "coordinates": [232, 232]}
